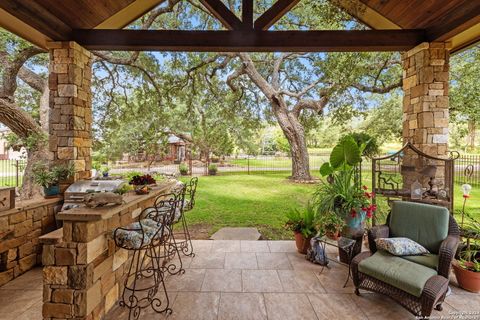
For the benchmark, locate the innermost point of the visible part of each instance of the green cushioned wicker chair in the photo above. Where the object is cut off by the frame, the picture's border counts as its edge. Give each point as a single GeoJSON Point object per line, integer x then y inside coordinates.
{"type": "Point", "coordinates": [418, 283]}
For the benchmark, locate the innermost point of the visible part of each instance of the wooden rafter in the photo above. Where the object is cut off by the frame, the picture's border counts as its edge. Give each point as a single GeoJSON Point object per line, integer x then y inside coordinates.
{"type": "Point", "coordinates": [128, 14]}
{"type": "Point", "coordinates": [274, 13]}
{"type": "Point", "coordinates": [222, 13]}
{"type": "Point", "coordinates": [249, 40]}
{"type": "Point", "coordinates": [247, 14]}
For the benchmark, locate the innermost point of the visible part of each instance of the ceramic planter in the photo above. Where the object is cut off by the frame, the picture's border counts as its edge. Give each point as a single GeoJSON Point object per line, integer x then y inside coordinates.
{"type": "Point", "coordinates": [302, 243]}
{"type": "Point", "coordinates": [51, 191]}
{"type": "Point", "coordinates": [468, 280]}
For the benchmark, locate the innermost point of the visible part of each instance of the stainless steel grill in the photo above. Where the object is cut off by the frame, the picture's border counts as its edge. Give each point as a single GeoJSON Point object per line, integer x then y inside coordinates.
{"type": "Point", "coordinates": [77, 191]}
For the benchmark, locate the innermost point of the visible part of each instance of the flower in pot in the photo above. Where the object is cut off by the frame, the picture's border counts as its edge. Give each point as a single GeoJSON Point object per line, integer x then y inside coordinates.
{"type": "Point", "coordinates": [302, 223]}
{"type": "Point", "coordinates": [183, 168]}
{"type": "Point", "coordinates": [331, 225]}
{"type": "Point", "coordinates": [49, 177]}
{"type": "Point", "coordinates": [212, 169]}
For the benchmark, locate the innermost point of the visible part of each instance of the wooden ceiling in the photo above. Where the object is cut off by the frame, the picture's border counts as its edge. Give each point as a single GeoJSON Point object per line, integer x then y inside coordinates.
{"type": "Point", "coordinates": [414, 21]}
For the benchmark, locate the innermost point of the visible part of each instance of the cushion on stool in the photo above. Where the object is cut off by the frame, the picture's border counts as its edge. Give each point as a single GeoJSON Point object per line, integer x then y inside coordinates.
{"type": "Point", "coordinates": [396, 271]}
{"type": "Point", "coordinates": [131, 239]}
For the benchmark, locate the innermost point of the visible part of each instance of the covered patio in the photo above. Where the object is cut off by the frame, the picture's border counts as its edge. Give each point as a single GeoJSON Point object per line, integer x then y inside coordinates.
{"type": "Point", "coordinates": [84, 270]}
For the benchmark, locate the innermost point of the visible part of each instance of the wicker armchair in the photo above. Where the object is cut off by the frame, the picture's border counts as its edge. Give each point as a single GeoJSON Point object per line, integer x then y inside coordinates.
{"type": "Point", "coordinates": [418, 283]}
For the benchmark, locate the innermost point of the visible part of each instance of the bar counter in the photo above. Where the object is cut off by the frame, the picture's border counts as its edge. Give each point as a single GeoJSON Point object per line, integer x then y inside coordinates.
{"type": "Point", "coordinates": [83, 271]}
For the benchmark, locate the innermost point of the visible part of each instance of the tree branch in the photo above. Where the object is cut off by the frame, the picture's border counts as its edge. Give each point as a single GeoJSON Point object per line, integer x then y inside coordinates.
{"type": "Point", "coordinates": [373, 89]}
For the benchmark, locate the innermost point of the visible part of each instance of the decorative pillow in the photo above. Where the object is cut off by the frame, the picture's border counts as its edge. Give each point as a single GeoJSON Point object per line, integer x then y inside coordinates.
{"type": "Point", "coordinates": [400, 246]}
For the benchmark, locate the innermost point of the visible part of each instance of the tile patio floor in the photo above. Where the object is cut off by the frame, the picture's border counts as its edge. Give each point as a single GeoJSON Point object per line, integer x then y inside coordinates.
{"type": "Point", "coordinates": [248, 280]}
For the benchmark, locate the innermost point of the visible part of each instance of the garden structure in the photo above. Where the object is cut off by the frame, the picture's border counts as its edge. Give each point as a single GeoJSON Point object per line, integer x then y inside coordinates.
{"type": "Point", "coordinates": [83, 270]}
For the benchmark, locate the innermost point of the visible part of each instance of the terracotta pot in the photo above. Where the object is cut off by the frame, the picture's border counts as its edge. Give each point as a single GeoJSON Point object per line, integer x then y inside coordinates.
{"type": "Point", "coordinates": [333, 235]}
{"type": "Point", "coordinates": [468, 280]}
{"type": "Point", "coordinates": [302, 243]}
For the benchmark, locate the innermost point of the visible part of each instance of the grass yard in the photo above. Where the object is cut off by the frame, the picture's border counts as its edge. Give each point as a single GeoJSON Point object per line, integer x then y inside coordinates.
{"type": "Point", "coordinates": [261, 201]}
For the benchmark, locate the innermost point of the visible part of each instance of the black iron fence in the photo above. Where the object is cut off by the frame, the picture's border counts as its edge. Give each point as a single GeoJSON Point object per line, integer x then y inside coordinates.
{"type": "Point", "coordinates": [11, 172]}
{"type": "Point", "coordinates": [467, 167]}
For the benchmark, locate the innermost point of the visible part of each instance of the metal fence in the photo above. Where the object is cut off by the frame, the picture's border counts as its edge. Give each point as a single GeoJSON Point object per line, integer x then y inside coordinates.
{"type": "Point", "coordinates": [11, 171]}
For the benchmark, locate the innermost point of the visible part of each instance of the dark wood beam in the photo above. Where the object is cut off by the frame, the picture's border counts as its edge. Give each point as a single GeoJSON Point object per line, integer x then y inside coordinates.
{"type": "Point", "coordinates": [247, 14]}
{"type": "Point", "coordinates": [249, 41]}
{"type": "Point", "coordinates": [457, 20]}
{"type": "Point", "coordinates": [222, 13]}
{"type": "Point", "coordinates": [274, 13]}
{"type": "Point", "coordinates": [35, 15]}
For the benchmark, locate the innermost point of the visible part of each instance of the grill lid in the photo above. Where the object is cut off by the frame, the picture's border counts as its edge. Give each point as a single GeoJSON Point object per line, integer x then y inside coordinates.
{"type": "Point", "coordinates": [85, 186]}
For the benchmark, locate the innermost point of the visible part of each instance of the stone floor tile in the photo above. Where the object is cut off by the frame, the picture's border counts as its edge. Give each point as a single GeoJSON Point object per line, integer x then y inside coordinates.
{"type": "Point", "coordinates": [379, 307]}
{"type": "Point", "coordinates": [226, 246]}
{"type": "Point", "coordinates": [15, 302]}
{"type": "Point", "coordinates": [32, 313]}
{"type": "Point", "coordinates": [196, 306]}
{"type": "Point", "coordinates": [242, 306]}
{"type": "Point", "coordinates": [210, 260]}
{"type": "Point", "coordinates": [299, 262]}
{"type": "Point", "coordinates": [282, 246]}
{"type": "Point", "coordinates": [261, 281]}
{"type": "Point", "coordinates": [291, 306]}
{"type": "Point", "coordinates": [273, 261]}
{"type": "Point", "coordinates": [222, 280]}
{"type": "Point", "coordinates": [254, 246]}
{"type": "Point", "coordinates": [201, 246]}
{"type": "Point", "coordinates": [300, 281]}
{"type": "Point", "coordinates": [335, 306]}
{"type": "Point", "coordinates": [456, 288]}
{"type": "Point", "coordinates": [240, 260]}
{"type": "Point", "coordinates": [465, 302]}
{"type": "Point", "coordinates": [121, 313]}
{"type": "Point", "coordinates": [31, 280]}
{"type": "Point", "coordinates": [191, 280]}
{"type": "Point", "coordinates": [333, 279]}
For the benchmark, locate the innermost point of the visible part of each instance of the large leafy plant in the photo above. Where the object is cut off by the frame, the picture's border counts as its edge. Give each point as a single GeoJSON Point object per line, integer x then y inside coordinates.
{"type": "Point", "coordinates": [47, 176]}
{"type": "Point", "coordinates": [302, 221]}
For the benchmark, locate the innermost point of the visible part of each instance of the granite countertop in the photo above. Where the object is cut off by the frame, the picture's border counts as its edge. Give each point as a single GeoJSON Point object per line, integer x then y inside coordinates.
{"type": "Point", "coordinates": [106, 212]}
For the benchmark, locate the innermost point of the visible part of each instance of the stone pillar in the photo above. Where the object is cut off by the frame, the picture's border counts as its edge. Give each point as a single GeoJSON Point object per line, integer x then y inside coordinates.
{"type": "Point", "coordinates": [425, 105]}
{"type": "Point", "coordinates": [70, 122]}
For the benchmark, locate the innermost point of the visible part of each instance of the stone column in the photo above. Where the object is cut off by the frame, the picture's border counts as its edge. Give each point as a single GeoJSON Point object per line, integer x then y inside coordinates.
{"type": "Point", "coordinates": [425, 105]}
{"type": "Point", "coordinates": [70, 122]}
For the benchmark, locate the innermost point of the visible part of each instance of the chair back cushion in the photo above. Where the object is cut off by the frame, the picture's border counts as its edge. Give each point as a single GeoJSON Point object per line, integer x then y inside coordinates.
{"type": "Point", "coordinates": [423, 223]}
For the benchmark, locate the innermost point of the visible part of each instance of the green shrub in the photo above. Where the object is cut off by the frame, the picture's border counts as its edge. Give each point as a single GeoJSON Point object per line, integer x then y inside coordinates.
{"type": "Point", "coordinates": [183, 168]}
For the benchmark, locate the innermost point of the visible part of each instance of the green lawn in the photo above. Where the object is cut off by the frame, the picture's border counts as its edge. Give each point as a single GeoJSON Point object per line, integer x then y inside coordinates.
{"type": "Point", "coordinates": [261, 201]}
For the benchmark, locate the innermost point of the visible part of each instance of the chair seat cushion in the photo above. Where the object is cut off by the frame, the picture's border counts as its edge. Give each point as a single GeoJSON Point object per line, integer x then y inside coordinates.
{"type": "Point", "coordinates": [131, 239]}
{"type": "Point", "coordinates": [428, 260]}
{"type": "Point", "coordinates": [400, 246]}
{"type": "Point", "coordinates": [397, 271]}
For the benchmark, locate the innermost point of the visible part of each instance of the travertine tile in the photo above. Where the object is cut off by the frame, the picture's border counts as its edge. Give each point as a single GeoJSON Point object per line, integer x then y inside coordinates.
{"type": "Point", "coordinates": [379, 307]}
{"type": "Point", "coordinates": [210, 260]}
{"type": "Point", "coordinates": [196, 306]}
{"type": "Point", "coordinates": [300, 281]}
{"type": "Point", "coordinates": [31, 280]}
{"type": "Point", "coordinates": [273, 261]}
{"type": "Point", "coordinates": [14, 302]}
{"type": "Point", "coordinates": [191, 280]}
{"type": "Point", "coordinates": [465, 302]}
{"type": "Point", "coordinates": [222, 280]}
{"type": "Point", "coordinates": [242, 306]}
{"type": "Point", "coordinates": [299, 262]}
{"type": "Point", "coordinates": [289, 306]}
{"type": "Point", "coordinates": [240, 260]}
{"type": "Point", "coordinates": [282, 246]}
{"type": "Point", "coordinates": [333, 279]}
{"type": "Point", "coordinates": [226, 246]}
{"type": "Point", "coordinates": [202, 246]}
{"type": "Point", "coordinates": [335, 306]}
{"type": "Point", "coordinates": [261, 281]}
{"type": "Point", "coordinates": [254, 246]}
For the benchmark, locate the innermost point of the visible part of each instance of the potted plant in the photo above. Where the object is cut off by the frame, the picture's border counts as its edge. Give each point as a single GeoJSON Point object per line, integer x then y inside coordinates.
{"type": "Point", "coordinates": [142, 183]}
{"type": "Point", "coordinates": [467, 269]}
{"type": "Point", "coordinates": [331, 225]}
{"type": "Point", "coordinates": [183, 168]}
{"type": "Point", "coordinates": [212, 169]}
{"type": "Point", "coordinates": [302, 223]}
{"type": "Point", "coordinates": [95, 168]}
{"type": "Point", "coordinates": [105, 170]}
{"type": "Point", "coordinates": [49, 177]}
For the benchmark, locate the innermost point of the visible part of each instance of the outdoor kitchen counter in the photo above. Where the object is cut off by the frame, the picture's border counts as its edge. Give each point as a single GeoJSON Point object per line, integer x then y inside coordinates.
{"type": "Point", "coordinates": [83, 270]}
{"type": "Point", "coordinates": [104, 213]}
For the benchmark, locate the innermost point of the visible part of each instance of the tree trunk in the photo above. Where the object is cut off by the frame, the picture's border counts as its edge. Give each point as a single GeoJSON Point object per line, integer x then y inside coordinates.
{"type": "Point", "coordinates": [295, 134]}
{"type": "Point", "coordinates": [472, 132]}
{"type": "Point", "coordinates": [29, 188]}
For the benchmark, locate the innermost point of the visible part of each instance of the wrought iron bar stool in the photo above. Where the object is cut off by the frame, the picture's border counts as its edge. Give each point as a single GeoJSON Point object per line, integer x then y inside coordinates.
{"type": "Point", "coordinates": [145, 274]}
{"type": "Point", "coordinates": [168, 208]}
{"type": "Point", "coordinates": [185, 243]}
